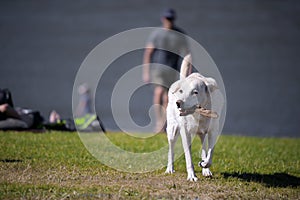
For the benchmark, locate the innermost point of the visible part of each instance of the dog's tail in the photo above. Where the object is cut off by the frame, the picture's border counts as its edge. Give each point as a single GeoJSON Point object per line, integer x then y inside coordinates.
{"type": "Point", "coordinates": [186, 66]}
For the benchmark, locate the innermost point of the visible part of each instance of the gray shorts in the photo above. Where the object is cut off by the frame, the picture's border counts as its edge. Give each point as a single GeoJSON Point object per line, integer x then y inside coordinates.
{"type": "Point", "coordinates": [164, 76]}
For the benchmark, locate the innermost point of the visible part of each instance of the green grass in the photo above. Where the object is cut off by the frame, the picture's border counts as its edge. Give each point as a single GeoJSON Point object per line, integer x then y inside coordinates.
{"type": "Point", "coordinates": [56, 165]}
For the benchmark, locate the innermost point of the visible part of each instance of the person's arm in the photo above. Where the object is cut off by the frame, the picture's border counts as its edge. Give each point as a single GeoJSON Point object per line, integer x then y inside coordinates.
{"type": "Point", "coordinates": [146, 62]}
{"type": "Point", "coordinates": [9, 111]}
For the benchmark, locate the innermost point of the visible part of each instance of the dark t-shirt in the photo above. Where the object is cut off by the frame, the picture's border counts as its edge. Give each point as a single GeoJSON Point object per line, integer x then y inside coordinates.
{"type": "Point", "coordinates": [168, 46]}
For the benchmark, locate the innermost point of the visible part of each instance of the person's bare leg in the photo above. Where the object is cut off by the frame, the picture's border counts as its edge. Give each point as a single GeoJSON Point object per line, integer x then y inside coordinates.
{"type": "Point", "coordinates": [165, 99]}
{"type": "Point", "coordinates": [157, 100]}
{"type": "Point", "coordinates": [54, 117]}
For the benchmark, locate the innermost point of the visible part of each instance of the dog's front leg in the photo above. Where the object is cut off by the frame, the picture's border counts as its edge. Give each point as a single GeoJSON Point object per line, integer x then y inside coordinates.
{"type": "Point", "coordinates": [186, 142]}
{"type": "Point", "coordinates": [211, 145]}
{"type": "Point", "coordinates": [203, 138]}
{"type": "Point", "coordinates": [172, 132]}
{"type": "Point", "coordinates": [206, 155]}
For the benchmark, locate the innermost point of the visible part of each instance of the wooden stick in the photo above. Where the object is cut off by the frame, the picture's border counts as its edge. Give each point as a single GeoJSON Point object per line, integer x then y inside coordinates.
{"type": "Point", "coordinates": [206, 113]}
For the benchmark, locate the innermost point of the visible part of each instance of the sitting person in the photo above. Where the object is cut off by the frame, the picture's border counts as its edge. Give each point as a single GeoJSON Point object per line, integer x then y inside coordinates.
{"type": "Point", "coordinates": [85, 119]}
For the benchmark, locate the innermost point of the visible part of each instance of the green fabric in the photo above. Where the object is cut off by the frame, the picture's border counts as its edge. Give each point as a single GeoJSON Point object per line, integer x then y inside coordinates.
{"type": "Point", "coordinates": [85, 121]}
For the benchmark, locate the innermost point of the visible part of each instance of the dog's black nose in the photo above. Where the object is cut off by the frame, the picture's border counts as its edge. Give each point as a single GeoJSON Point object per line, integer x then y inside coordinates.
{"type": "Point", "coordinates": [179, 103]}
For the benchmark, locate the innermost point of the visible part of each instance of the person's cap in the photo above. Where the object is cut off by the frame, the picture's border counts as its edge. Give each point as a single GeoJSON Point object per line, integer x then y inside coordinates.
{"type": "Point", "coordinates": [169, 14]}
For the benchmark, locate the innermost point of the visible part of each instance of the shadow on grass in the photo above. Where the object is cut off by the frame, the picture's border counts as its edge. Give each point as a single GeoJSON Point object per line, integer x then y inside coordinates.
{"type": "Point", "coordinates": [10, 160]}
{"type": "Point", "coordinates": [270, 180]}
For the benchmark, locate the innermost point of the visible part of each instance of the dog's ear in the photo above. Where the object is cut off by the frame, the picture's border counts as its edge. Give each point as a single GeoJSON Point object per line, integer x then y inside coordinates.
{"type": "Point", "coordinates": [211, 84]}
{"type": "Point", "coordinates": [175, 87]}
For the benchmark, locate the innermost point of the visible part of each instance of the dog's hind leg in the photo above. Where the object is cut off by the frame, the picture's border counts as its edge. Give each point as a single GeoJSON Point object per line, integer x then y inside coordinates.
{"type": "Point", "coordinates": [172, 132]}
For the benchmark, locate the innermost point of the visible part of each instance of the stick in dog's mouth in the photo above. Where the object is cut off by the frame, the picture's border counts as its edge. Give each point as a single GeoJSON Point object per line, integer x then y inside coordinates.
{"type": "Point", "coordinates": [185, 112]}
{"type": "Point", "coordinates": [200, 110]}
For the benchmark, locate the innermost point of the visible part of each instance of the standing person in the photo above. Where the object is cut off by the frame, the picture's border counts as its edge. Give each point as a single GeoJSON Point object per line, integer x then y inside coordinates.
{"type": "Point", "coordinates": [157, 53]}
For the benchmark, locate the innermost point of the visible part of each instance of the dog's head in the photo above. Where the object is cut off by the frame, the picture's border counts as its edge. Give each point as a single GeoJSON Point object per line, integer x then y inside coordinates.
{"type": "Point", "coordinates": [190, 93]}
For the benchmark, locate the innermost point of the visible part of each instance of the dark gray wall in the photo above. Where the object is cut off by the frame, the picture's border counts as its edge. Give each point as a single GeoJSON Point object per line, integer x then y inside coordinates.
{"type": "Point", "coordinates": [254, 43]}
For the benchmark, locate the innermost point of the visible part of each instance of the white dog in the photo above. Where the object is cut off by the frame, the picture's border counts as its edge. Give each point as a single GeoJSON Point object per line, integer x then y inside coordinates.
{"type": "Point", "coordinates": [191, 110]}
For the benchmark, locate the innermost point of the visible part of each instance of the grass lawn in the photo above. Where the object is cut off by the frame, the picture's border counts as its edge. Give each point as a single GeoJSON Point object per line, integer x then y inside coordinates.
{"type": "Point", "coordinates": [56, 165]}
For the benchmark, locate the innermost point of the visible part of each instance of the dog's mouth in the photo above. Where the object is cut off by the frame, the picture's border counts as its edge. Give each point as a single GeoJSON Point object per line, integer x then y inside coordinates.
{"type": "Point", "coordinates": [195, 109]}
{"type": "Point", "coordinates": [185, 112]}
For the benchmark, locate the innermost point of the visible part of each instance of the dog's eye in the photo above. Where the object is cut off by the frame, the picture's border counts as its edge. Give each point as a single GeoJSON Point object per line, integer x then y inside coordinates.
{"type": "Point", "coordinates": [180, 91]}
{"type": "Point", "coordinates": [195, 92]}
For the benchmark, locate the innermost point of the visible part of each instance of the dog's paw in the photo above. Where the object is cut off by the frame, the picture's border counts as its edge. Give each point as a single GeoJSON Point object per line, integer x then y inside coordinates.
{"type": "Point", "coordinates": [169, 170]}
{"type": "Point", "coordinates": [192, 178]}
{"type": "Point", "coordinates": [204, 164]}
{"type": "Point", "coordinates": [206, 172]}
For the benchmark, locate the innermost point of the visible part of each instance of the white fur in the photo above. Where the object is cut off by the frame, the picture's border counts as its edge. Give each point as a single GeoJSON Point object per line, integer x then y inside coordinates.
{"type": "Point", "coordinates": [188, 92]}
